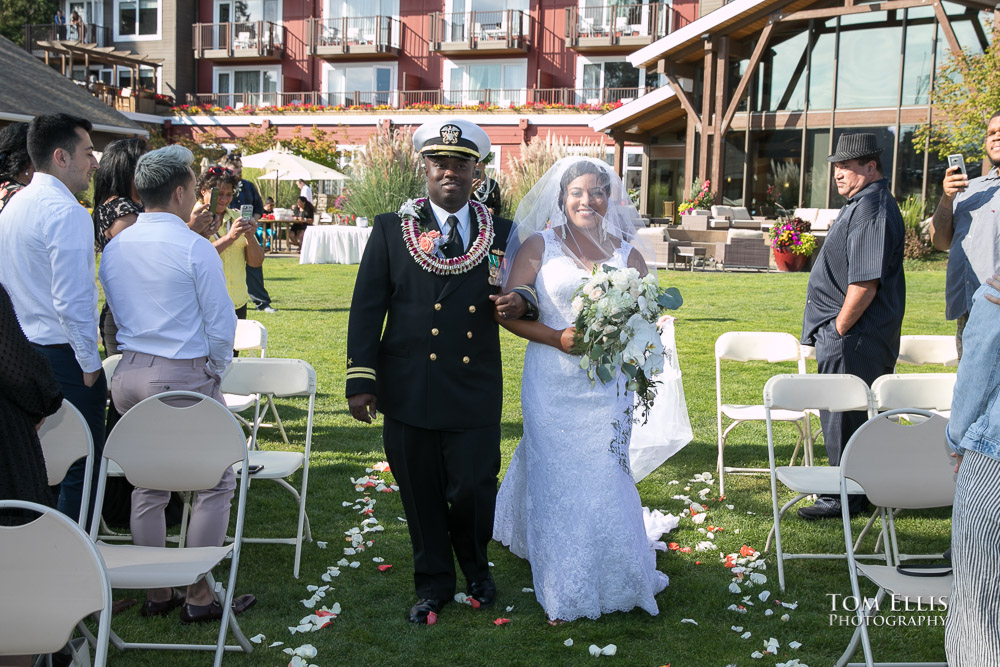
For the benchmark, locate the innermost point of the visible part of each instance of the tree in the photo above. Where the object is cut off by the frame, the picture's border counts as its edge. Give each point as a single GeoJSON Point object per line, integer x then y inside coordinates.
{"type": "Point", "coordinates": [15, 14]}
{"type": "Point", "coordinates": [966, 94]}
{"type": "Point", "coordinates": [320, 146]}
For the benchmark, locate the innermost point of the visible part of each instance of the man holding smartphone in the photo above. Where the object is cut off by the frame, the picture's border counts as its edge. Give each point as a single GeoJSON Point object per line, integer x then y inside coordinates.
{"type": "Point", "coordinates": [966, 224]}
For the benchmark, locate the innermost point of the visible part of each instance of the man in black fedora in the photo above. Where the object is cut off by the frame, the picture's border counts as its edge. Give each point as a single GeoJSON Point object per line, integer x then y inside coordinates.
{"type": "Point", "coordinates": [429, 272]}
{"type": "Point", "coordinates": [856, 293]}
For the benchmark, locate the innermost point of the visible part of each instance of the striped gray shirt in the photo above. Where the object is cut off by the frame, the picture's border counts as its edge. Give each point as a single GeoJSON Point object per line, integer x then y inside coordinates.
{"type": "Point", "coordinates": [865, 243]}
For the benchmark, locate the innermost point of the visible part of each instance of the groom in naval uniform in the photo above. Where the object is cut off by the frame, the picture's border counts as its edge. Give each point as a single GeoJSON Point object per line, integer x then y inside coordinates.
{"type": "Point", "coordinates": [434, 372]}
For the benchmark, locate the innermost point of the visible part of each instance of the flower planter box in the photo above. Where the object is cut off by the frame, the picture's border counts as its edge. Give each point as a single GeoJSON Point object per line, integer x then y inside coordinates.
{"type": "Point", "coordinates": [789, 261]}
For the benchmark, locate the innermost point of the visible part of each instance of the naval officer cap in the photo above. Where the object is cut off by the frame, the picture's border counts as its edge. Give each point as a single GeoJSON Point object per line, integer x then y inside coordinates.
{"type": "Point", "coordinates": [452, 138]}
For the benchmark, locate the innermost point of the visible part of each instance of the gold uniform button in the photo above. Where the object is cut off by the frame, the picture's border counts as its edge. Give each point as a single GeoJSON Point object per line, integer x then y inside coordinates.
{"type": "Point", "coordinates": [468, 334]}
{"type": "Point", "coordinates": [434, 331]}
{"type": "Point", "coordinates": [465, 360]}
{"type": "Point", "coordinates": [437, 306]}
{"type": "Point", "coordinates": [472, 309]}
{"type": "Point", "coordinates": [433, 357]}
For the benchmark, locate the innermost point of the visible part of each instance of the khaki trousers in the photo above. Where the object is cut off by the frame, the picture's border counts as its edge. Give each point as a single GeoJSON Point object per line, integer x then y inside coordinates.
{"type": "Point", "coordinates": [140, 376]}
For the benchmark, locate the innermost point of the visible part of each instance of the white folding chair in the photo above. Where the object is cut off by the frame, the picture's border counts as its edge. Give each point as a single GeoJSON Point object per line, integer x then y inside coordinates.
{"type": "Point", "coordinates": [66, 439]}
{"type": "Point", "coordinates": [110, 364]}
{"type": "Point", "coordinates": [904, 466]}
{"type": "Point", "coordinates": [52, 577]}
{"type": "Point", "coordinates": [281, 378]}
{"type": "Point", "coordinates": [927, 391]}
{"type": "Point", "coordinates": [252, 335]}
{"type": "Point", "coordinates": [832, 392]}
{"type": "Point", "coordinates": [744, 346]}
{"type": "Point", "coordinates": [174, 447]}
{"type": "Point", "coordinates": [921, 350]}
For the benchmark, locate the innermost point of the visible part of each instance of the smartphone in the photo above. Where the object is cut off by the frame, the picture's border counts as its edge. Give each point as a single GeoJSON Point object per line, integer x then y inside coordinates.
{"type": "Point", "coordinates": [957, 160]}
{"type": "Point", "coordinates": [246, 212]}
{"type": "Point", "coordinates": [213, 200]}
{"type": "Point", "coordinates": [255, 467]}
{"type": "Point", "coordinates": [478, 173]}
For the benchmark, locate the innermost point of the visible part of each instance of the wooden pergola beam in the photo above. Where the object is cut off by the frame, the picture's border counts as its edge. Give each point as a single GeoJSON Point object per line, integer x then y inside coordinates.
{"type": "Point", "coordinates": [684, 100]}
{"type": "Point", "coordinates": [949, 33]}
{"type": "Point", "coordinates": [741, 88]}
{"type": "Point", "coordinates": [833, 12]}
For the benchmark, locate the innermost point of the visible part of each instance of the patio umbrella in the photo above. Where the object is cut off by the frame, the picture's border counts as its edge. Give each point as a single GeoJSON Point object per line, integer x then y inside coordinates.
{"type": "Point", "coordinates": [281, 165]}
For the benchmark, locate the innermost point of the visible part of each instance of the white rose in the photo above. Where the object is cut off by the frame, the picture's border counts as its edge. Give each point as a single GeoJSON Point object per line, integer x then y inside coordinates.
{"type": "Point", "coordinates": [596, 293]}
{"type": "Point", "coordinates": [578, 305]}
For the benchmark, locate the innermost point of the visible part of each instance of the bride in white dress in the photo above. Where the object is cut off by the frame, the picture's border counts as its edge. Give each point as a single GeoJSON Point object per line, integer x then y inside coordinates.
{"type": "Point", "coordinates": [568, 503]}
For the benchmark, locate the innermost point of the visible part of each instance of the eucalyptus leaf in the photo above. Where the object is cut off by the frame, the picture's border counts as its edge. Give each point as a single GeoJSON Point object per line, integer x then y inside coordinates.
{"type": "Point", "coordinates": [604, 372]}
{"type": "Point", "coordinates": [670, 299]}
{"type": "Point", "coordinates": [584, 362]}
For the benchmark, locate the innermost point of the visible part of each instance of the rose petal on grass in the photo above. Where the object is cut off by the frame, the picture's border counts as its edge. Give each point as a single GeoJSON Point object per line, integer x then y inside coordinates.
{"type": "Point", "coordinates": [568, 642]}
{"type": "Point", "coordinates": [274, 644]}
{"type": "Point", "coordinates": [746, 635]}
{"type": "Point", "coordinates": [595, 650]}
{"type": "Point", "coordinates": [764, 595]}
{"type": "Point", "coordinates": [527, 590]}
{"type": "Point", "coordinates": [610, 649]}
{"type": "Point", "coordinates": [501, 621]}
{"type": "Point", "coordinates": [794, 645]}
{"type": "Point", "coordinates": [735, 588]}
{"type": "Point", "coordinates": [756, 655]}
{"type": "Point", "coordinates": [321, 545]}
{"type": "Point", "coordinates": [689, 620]}
{"type": "Point", "coordinates": [510, 609]}
{"type": "Point", "coordinates": [768, 612]}
{"type": "Point", "coordinates": [736, 628]}
{"type": "Point", "coordinates": [384, 568]}
{"type": "Point", "coordinates": [256, 639]}
{"type": "Point", "coordinates": [432, 618]}
{"type": "Point", "coordinates": [785, 617]}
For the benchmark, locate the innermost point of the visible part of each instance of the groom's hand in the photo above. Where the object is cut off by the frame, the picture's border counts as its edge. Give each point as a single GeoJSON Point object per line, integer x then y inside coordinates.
{"type": "Point", "coordinates": [510, 306]}
{"type": "Point", "coordinates": [362, 407]}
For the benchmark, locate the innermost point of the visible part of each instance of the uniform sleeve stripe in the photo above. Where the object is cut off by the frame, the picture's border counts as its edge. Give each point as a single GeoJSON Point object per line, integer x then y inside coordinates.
{"type": "Point", "coordinates": [361, 373]}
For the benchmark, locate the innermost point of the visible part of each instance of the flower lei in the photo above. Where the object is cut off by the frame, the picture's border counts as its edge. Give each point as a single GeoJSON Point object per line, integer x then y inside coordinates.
{"type": "Point", "coordinates": [443, 266]}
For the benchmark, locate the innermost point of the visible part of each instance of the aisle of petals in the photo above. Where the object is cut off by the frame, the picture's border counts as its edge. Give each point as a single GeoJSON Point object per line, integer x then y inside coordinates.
{"type": "Point", "coordinates": [748, 582]}
{"type": "Point", "coordinates": [746, 566]}
{"type": "Point", "coordinates": [360, 539]}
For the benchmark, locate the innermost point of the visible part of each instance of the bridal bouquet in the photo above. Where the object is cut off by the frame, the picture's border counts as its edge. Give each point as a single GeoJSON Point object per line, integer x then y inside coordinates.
{"type": "Point", "coordinates": [616, 332]}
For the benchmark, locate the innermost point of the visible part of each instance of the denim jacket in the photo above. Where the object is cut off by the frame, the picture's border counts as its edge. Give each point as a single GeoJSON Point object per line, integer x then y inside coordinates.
{"type": "Point", "coordinates": [975, 411]}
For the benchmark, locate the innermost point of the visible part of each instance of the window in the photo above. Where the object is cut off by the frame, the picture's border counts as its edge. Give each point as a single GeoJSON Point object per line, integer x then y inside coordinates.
{"type": "Point", "coordinates": [361, 85]}
{"type": "Point", "coordinates": [500, 83]}
{"type": "Point", "coordinates": [239, 86]}
{"type": "Point", "coordinates": [147, 78]}
{"type": "Point", "coordinates": [138, 19]}
{"type": "Point", "coordinates": [243, 11]}
{"type": "Point", "coordinates": [607, 80]}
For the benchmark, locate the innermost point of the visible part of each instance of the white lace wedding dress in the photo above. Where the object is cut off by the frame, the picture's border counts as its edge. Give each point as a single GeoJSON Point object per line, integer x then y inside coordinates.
{"type": "Point", "coordinates": [568, 503]}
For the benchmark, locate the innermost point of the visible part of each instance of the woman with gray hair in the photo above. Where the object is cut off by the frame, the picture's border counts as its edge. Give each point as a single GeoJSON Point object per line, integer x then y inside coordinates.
{"type": "Point", "coordinates": [175, 319]}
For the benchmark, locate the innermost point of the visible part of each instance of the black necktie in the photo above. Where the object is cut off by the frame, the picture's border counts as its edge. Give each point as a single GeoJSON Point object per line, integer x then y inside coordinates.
{"type": "Point", "coordinates": [453, 247]}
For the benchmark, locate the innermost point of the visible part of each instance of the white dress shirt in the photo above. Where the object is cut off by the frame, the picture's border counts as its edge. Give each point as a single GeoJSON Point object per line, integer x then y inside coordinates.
{"type": "Point", "coordinates": [47, 265]}
{"type": "Point", "coordinates": [463, 221]}
{"type": "Point", "coordinates": [167, 291]}
{"type": "Point", "coordinates": [307, 192]}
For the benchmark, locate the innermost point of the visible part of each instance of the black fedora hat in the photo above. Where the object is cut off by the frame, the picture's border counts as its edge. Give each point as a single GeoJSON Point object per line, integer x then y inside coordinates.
{"type": "Point", "coordinates": [853, 146]}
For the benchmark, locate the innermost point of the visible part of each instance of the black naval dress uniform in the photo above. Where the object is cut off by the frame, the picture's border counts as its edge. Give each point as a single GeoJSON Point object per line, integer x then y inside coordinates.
{"type": "Point", "coordinates": [436, 374]}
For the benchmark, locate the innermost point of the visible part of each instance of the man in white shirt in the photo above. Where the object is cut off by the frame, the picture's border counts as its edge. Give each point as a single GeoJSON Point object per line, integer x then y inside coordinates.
{"type": "Point", "coordinates": [305, 190]}
{"type": "Point", "coordinates": [47, 266]}
{"type": "Point", "coordinates": [176, 327]}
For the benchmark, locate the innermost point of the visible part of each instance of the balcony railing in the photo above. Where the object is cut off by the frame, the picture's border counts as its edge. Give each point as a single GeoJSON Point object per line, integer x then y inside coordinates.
{"type": "Point", "coordinates": [50, 32]}
{"type": "Point", "coordinates": [250, 39]}
{"type": "Point", "coordinates": [494, 30]}
{"type": "Point", "coordinates": [358, 35]}
{"type": "Point", "coordinates": [585, 99]}
{"type": "Point", "coordinates": [620, 25]}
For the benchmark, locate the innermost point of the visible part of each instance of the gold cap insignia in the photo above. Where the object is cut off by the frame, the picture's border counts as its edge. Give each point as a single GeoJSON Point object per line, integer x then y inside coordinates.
{"type": "Point", "coordinates": [450, 134]}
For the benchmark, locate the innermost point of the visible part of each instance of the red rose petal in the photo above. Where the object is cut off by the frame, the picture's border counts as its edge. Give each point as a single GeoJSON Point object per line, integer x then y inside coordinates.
{"type": "Point", "coordinates": [673, 546]}
{"type": "Point", "coordinates": [685, 550]}
{"type": "Point", "coordinates": [383, 568]}
{"type": "Point", "coordinates": [501, 621]}
{"type": "Point", "coordinates": [432, 618]}
{"type": "Point", "coordinates": [474, 602]}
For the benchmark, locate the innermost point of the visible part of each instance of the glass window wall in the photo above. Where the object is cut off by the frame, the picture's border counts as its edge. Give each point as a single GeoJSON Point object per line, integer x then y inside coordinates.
{"type": "Point", "coordinates": [868, 61]}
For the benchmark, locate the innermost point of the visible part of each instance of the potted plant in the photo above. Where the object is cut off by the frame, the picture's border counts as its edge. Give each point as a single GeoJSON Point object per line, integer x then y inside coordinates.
{"type": "Point", "coordinates": [792, 243]}
{"type": "Point", "coordinates": [699, 199]}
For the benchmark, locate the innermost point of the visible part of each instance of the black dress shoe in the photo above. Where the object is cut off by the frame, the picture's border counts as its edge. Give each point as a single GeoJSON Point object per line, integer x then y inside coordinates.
{"type": "Point", "coordinates": [829, 508]}
{"type": "Point", "coordinates": [163, 607]}
{"type": "Point", "coordinates": [192, 613]}
{"type": "Point", "coordinates": [425, 611]}
{"type": "Point", "coordinates": [483, 593]}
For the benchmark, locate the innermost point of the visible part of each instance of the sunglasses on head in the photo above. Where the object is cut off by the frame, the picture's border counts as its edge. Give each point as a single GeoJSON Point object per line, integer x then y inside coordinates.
{"type": "Point", "coordinates": [219, 171]}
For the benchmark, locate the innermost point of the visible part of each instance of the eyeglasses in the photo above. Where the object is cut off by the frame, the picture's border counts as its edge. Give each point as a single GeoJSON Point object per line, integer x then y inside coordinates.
{"type": "Point", "coordinates": [219, 171]}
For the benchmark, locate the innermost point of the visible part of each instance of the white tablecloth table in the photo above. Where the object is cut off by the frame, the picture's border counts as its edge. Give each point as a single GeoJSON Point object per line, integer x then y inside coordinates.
{"type": "Point", "coordinates": [333, 244]}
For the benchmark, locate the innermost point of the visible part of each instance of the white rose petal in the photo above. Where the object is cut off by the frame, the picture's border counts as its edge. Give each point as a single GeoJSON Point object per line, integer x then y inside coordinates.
{"type": "Point", "coordinates": [736, 628]}
{"type": "Point", "coordinates": [689, 620]}
{"type": "Point", "coordinates": [256, 639]}
{"type": "Point", "coordinates": [568, 642]}
{"type": "Point", "coordinates": [274, 644]}
{"type": "Point", "coordinates": [527, 590]}
{"type": "Point", "coordinates": [595, 650]}
{"type": "Point", "coordinates": [510, 609]}
{"type": "Point", "coordinates": [771, 646]}
{"type": "Point", "coordinates": [610, 649]}
{"type": "Point", "coordinates": [794, 645]}
{"type": "Point", "coordinates": [756, 655]}
{"type": "Point", "coordinates": [758, 578]}
{"type": "Point", "coordinates": [746, 635]}
{"type": "Point", "coordinates": [321, 545]}
{"type": "Point", "coordinates": [735, 588]}
{"type": "Point", "coordinates": [768, 612]}
{"type": "Point", "coordinates": [785, 617]}
{"type": "Point", "coordinates": [764, 595]}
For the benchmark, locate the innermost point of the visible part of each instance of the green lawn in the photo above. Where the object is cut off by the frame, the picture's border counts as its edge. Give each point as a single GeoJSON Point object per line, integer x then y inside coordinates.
{"type": "Point", "coordinates": [311, 324]}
